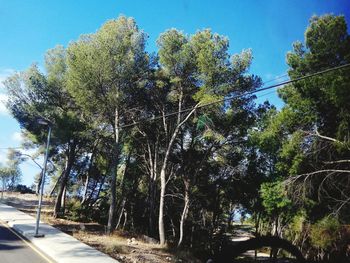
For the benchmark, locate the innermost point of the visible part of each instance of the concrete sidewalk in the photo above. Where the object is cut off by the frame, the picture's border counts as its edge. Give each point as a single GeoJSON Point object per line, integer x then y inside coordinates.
{"type": "Point", "coordinates": [59, 246]}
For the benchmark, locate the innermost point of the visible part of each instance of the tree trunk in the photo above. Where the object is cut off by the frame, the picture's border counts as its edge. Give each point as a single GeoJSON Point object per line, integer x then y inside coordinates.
{"type": "Point", "coordinates": [216, 212]}
{"type": "Point", "coordinates": [58, 201]}
{"type": "Point", "coordinates": [273, 253]}
{"type": "Point", "coordinates": [98, 192]}
{"type": "Point", "coordinates": [63, 200]}
{"type": "Point", "coordinates": [185, 210]}
{"type": "Point", "coordinates": [64, 180]}
{"type": "Point", "coordinates": [163, 186]}
{"type": "Point", "coordinates": [204, 221]}
{"type": "Point", "coordinates": [257, 223]}
{"type": "Point", "coordinates": [152, 187]}
{"type": "Point", "coordinates": [125, 218]}
{"type": "Point", "coordinates": [173, 227]}
{"type": "Point", "coordinates": [231, 250]}
{"type": "Point", "coordinates": [3, 188]}
{"type": "Point", "coordinates": [152, 207]}
{"type": "Point", "coordinates": [164, 166]}
{"type": "Point", "coordinates": [85, 189]}
{"type": "Point", "coordinates": [191, 239]}
{"type": "Point", "coordinates": [87, 181]}
{"type": "Point", "coordinates": [121, 204]}
{"type": "Point", "coordinates": [113, 193]}
{"type": "Point", "coordinates": [121, 212]}
{"type": "Point", "coordinates": [37, 186]}
{"type": "Point", "coordinates": [56, 184]}
{"type": "Point", "coordinates": [115, 159]}
{"type": "Point", "coordinates": [161, 207]}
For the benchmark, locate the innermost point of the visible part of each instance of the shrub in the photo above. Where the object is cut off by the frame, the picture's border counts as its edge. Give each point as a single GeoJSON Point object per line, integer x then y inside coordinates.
{"type": "Point", "coordinates": [325, 232]}
{"type": "Point", "coordinates": [23, 189]}
{"type": "Point", "coordinates": [75, 210]}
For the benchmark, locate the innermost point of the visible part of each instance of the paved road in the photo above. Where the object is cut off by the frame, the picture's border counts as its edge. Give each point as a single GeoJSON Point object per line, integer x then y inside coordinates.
{"type": "Point", "coordinates": [15, 250]}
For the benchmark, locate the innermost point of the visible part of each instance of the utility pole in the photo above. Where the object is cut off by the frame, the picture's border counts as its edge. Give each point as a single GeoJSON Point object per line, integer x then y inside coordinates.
{"type": "Point", "coordinates": [43, 122]}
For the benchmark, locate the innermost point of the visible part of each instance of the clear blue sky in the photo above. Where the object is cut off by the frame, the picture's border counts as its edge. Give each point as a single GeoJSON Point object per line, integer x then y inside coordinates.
{"type": "Point", "coordinates": [29, 27]}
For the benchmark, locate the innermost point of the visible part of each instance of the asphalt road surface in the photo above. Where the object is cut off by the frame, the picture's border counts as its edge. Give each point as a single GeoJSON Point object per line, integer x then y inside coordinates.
{"type": "Point", "coordinates": [15, 250]}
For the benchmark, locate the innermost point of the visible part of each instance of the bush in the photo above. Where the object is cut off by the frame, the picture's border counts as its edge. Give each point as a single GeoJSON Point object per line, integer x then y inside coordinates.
{"type": "Point", "coordinates": [23, 189]}
{"type": "Point", "coordinates": [84, 213]}
{"type": "Point", "coordinates": [325, 232]}
{"type": "Point", "coordinates": [297, 228]}
{"type": "Point", "coordinates": [99, 211]}
{"type": "Point", "coordinates": [75, 210]}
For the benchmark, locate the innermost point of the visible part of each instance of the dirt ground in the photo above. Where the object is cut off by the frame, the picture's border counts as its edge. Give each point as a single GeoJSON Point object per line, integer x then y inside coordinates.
{"type": "Point", "coordinates": [121, 245]}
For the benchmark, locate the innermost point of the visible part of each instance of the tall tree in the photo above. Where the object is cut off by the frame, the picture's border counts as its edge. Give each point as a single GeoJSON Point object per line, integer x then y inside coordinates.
{"type": "Point", "coordinates": [33, 96]}
{"type": "Point", "coordinates": [306, 143]}
{"type": "Point", "coordinates": [175, 56]}
{"type": "Point", "coordinates": [323, 100]}
{"type": "Point", "coordinates": [106, 71]}
{"type": "Point", "coordinates": [200, 71]}
{"type": "Point", "coordinates": [66, 114]}
{"type": "Point", "coordinates": [11, 174]}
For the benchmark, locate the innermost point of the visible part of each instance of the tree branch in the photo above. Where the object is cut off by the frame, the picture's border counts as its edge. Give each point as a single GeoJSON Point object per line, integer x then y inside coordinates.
{"type": "Point", "coordinates": [189, 115]}
{"type": "Point", "coordinates": [317, 134]}
{"type": "Point", "coordinates": [337, 162]}
{"type": "Point", "coordinates": [294, 178]}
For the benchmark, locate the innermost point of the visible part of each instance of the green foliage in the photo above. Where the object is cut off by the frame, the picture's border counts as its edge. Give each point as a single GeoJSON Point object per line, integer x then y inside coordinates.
{"type": "Point", "coordinates": [55, 64]}
{"type": "Point", "coordinates": [204, 121]}
{"type": "Point", "coordinates": [298, 222]}
{"type": "Point", "coordinates": [325, 232]}
{"type": "Point", "coordinates": [175, 54]}
{"type": "Point", "coordinates": [275, 199]}
{"type": "Point", "coordinates": [223, 156]}
{"type": "Point", "coordinates": [292, 155]}
{"type": "Point", "coordinates": [11, 174]}
{"type": "Point", "coordinates": [307, 135]}
{"type": "Point", "coordinates": [291, 139]}
{"type": "Point", "coordinates": [75, 210]}
{"type": "Point", "coordinates": [105, 68]}
{"type": "Point", "coordinates": [5, 174]}
{"type": "Point", "coordinates": [327, 44]}
{"type": "Point", "coordinates": [32, 96]}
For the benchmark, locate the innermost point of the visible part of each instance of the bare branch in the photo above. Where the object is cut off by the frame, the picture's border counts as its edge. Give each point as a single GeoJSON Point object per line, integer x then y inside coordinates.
{"type": "Point", "coordinates": [344, 202]}
{"type": "Point", "coordinates": [337, 162]}
{"type": "Point", "coordinates": [189, 115]}
{"type": "Point", "coordinates": [294, 178]}
{"type": "Point", "coordinates": [317, 134]}
{"type": "Point", "coordinates": [32, 158]}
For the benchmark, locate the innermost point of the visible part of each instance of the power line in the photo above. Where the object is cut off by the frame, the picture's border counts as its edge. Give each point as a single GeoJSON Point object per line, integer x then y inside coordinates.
{"type": "Point", "coordinates": [265, 94]}
{"type": "Point", "coordinates": [235, 96]}
{"type": "Point", "coordinates": [8, 148]}
{"type": "Point", "coordinates": [276, 78]}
